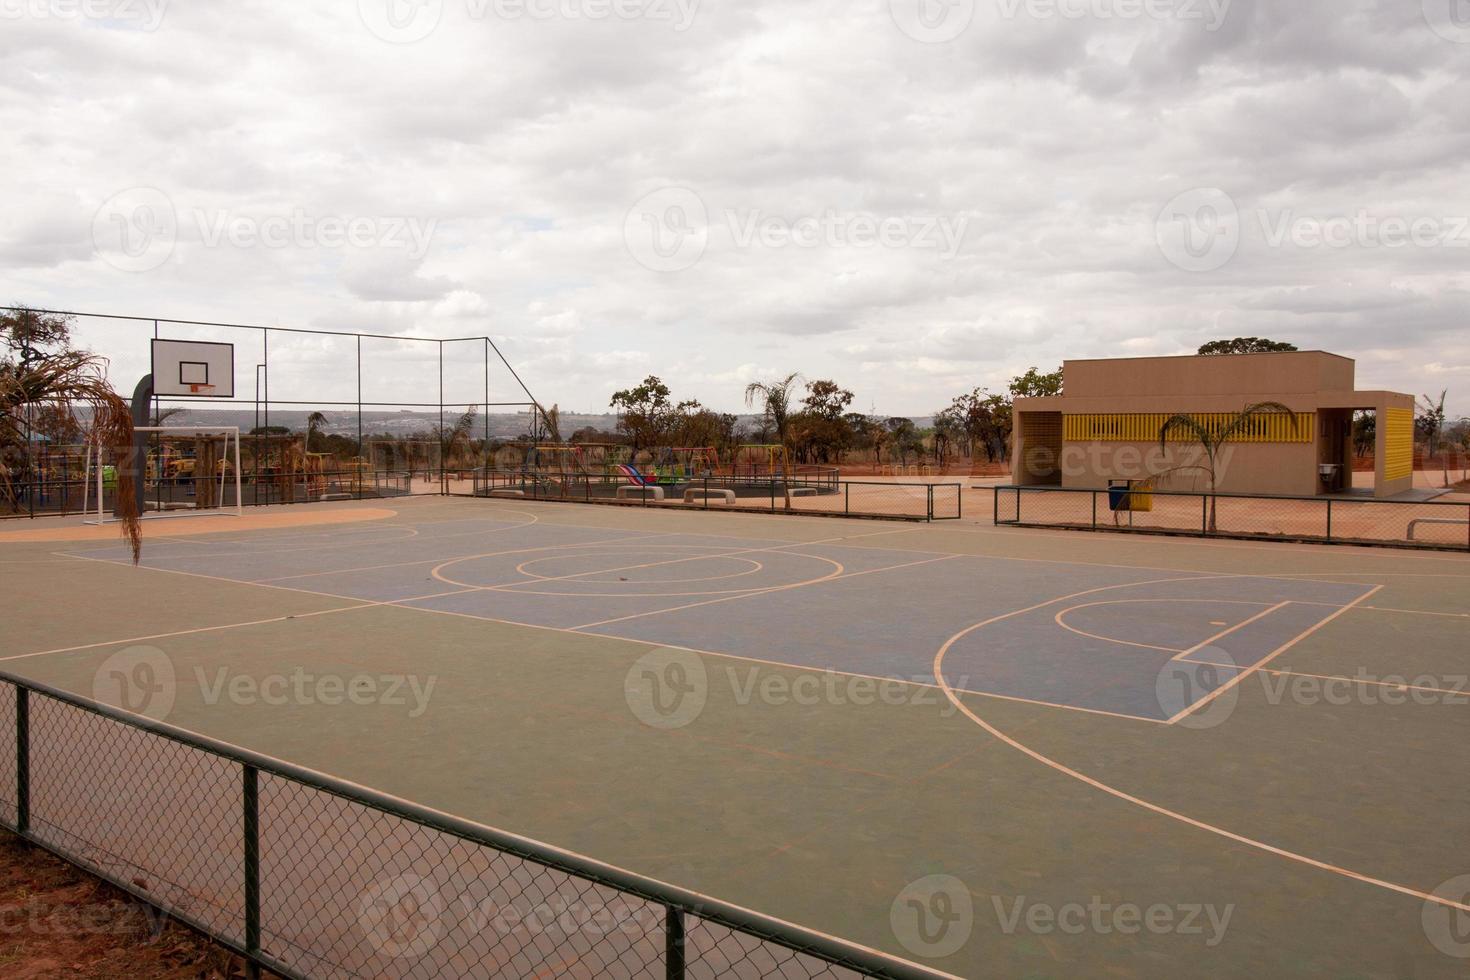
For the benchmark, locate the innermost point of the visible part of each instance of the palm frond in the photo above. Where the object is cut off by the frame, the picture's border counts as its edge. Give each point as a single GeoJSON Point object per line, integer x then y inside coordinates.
{"type": "Point", "coordinates": [1250, 413]}
{"type": "Point", "coordinates": [1182, 422]}
{"type": "Point", "coordinates": [64, 380]}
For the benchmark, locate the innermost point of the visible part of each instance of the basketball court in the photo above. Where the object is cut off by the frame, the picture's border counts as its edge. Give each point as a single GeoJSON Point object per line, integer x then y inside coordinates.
{"type": "Point", "coordinates": [834, 722]}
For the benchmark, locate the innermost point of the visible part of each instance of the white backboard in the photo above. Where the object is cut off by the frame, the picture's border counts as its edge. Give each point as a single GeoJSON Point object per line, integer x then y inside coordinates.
{"type": "Point", "coordinates": [180, 364]}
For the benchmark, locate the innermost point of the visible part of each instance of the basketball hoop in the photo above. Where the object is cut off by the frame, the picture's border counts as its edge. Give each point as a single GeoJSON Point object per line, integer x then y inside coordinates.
{"type": "Point", "coordinates": [201, 389]}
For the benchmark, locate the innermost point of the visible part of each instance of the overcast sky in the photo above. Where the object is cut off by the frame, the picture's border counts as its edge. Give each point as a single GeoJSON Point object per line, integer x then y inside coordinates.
{"type": "Point", "coordinates": [913, 197]}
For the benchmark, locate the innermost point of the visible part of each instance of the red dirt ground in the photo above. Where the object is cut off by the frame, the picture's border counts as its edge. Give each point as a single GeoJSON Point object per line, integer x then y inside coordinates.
{"type": "Point", "coordinates": [58, 921]}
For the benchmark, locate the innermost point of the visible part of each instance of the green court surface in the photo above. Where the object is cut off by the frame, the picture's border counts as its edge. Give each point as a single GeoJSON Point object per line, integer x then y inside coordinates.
{"type": "Point", "coordinates": [994, 752]}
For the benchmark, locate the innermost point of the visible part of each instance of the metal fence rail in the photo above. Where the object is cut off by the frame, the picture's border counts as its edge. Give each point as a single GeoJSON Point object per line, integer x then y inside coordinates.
{"type": "Point", "coordinates": [824, 496]}
{"type": "Point", "coordinates": [310, 876]}
{"type": "Point", "coordinates": [1405, 524]}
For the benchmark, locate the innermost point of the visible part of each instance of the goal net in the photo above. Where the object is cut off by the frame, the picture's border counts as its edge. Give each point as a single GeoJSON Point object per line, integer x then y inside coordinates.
{"type": "Point", "coordinates": [188, 471]}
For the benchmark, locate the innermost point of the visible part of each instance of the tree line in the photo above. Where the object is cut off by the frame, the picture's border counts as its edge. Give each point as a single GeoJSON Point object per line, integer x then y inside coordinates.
{"type": "Point", "coordinates": [815, 421]}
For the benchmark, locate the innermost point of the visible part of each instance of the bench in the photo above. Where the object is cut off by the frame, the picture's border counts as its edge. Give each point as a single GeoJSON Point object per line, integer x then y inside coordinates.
{"type": "Point", "coordinates": [624, 492]}
{"type": "Point", "coordinates": [507, 493]}
{"type": "Point", "coordinates": [1414, 524]}
{"type": "Point", "coordinates": [727, 496]}
{"type": "Point", "coordinates": [802, 492]}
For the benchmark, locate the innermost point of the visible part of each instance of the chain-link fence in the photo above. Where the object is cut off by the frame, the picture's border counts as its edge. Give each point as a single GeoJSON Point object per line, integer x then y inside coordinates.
{"type": "Point", "coordinates": [820, 497]}
{"type": "Point", "coordinates": [309, 876]}
{"type": "Point", "coordinates": [1429, 524]}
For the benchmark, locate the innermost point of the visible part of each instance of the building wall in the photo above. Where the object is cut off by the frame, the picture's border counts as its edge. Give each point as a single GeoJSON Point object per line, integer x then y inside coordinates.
{"type": "Point", "coordinates": [1112, 410]}
{"type": "Point", "coordinates": [1273, 468]}
{"type": "Point", "coordinates": [1253, 377]}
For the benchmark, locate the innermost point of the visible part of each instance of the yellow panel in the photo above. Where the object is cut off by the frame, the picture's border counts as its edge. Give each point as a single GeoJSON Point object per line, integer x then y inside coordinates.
{"type": "Point", "coordinates": [1144, 427]}
{"type": "Point", "coordinates": [1398, 444]}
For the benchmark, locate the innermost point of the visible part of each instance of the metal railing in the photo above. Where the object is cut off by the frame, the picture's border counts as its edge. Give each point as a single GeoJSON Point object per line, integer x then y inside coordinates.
{"type": "Point", "coordinates": [824, 498]}
{"type": "Point", "coordinates": [311, 876]}
{"type": "Point", "coordinates": [1338, 520]}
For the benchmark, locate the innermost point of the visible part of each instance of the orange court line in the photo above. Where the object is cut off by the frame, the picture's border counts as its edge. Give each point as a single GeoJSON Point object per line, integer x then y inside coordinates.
{"type": "Point", "coordinates": [1352, 680]}
{"type": "Point", "coordinates": [182, 526]}
{"type": "Point", "coordinates": [1272, 655]}
{"type": "Point", "coordinates": [1156, 808]}
{"type": "Point", "coordinates": [1226, 632]}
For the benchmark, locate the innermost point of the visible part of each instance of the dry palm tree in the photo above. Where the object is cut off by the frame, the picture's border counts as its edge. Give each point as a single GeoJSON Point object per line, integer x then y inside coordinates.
{"type": "Point", "coordinates": [454, 438]}
{"type": "Point", "coordinates": [314, 421]}
{"type": "Point", "coordinates": [552, 417]}
{"type": "Point", "coordinates": [775, 399]}
{"type": "Point", "coordinates": [1431, 415]}
{"type": "Point", "coordinates": [161, 417]}
{"type": "Point", "coordinates": [1213, 435]}
{"type": "Point", "coordinates": [64, 380]}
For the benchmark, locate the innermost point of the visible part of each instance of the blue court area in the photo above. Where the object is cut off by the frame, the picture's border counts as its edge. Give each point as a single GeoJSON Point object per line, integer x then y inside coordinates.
{"type": "Point", "coordinates": [1141, 643]}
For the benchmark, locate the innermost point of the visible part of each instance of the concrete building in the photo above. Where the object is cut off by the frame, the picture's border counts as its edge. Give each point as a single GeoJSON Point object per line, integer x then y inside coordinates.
{"type": "Point", "coordinates": [1105, 426]}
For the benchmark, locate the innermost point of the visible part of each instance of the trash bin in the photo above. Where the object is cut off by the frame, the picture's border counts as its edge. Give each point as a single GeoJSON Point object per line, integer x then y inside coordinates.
{"type": "Point", "coordinates": [1119, 497]}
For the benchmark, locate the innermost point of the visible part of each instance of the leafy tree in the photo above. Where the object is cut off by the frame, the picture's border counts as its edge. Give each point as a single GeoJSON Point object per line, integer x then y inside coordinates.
{"type": "Point", "coordinates": [647, 412]}
{"type": "Point", "coordinates": [1034, 384]}
{"type": "Point", "coordinates": [985, 420]}
{"type": "Point", "coordinates": [826, 399]}
{"type": "Point", "coordinates": [1212, 437]}
{"type": "Point", "coordinates": [27, 337]}
{"type": "Point", "coordinates": [949, 433]}
{"type": "Point", "coordinates": [1365, 432]}
{"type": "Point", "coordinates": [822, 429]}
{"type": "Point", "coordinates": [867, 433]}
{"type": "Point", "coordinates": [1245, 345]}
{"type": "Point", "coordinates": [903, 438]}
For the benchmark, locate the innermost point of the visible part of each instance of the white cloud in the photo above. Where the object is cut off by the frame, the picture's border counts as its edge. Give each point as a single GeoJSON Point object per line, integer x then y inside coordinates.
{"type": "Point", "coordinates": [524, 143]}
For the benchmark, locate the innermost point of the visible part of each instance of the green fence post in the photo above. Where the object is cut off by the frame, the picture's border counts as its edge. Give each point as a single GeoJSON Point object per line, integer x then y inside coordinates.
{"type": "Point", "coordinates": [1204, 514]}
{"type": "Point", "coordinates": [22, 761]}
{"type": "Point", "coordinates": [847, 498]}
{"type": "Point", "coordinates": [1094, 510]}
{"type": "Point", "coordinates": [250, 795]}
{"type": "Point", "coordinates": [1329, 518]}
{"type": "Point", "coordinates": [673, 943]}
{"type": "Point", "coordinates": [930, 496]}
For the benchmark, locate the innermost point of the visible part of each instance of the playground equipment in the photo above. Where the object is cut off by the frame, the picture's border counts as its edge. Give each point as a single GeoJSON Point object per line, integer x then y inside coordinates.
{"type": "Point", "coordinates": [761, 460]}
{"type": "Point", "coordinates": [557, 461]}
{"type": "Point", "coordinates": [184, 462]}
